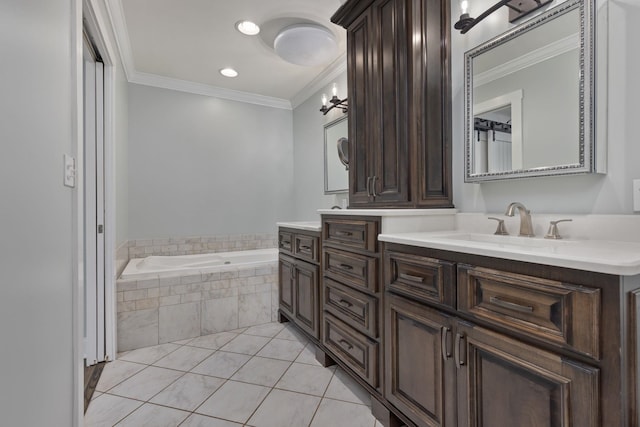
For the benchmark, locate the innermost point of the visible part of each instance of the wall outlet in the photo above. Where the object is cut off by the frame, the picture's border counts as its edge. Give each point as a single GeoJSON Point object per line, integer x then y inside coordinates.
{"type": "Point", "coordinates": [636, 195]}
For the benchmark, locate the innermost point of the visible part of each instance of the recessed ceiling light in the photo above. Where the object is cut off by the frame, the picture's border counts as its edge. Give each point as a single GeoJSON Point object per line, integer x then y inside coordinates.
{"type": "Point", "coordinates": [247, 27]}
{"type": "Point", "coordinates": [229, 72]}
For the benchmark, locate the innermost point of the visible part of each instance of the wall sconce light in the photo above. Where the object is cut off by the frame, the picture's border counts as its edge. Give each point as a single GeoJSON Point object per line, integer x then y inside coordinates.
{"type": "Point", "coordinates": [335, 102]}
{"type": "Point", "coordinates": [517, 10]}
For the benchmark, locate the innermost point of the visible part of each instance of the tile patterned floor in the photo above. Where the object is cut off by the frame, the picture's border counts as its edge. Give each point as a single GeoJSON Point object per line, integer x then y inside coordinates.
{"type": "Point", "coordinates": [262, 376]}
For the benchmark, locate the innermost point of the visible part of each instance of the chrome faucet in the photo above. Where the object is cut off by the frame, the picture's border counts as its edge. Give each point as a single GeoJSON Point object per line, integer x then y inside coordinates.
{"type": "Point", "coordinates": [526, 228]}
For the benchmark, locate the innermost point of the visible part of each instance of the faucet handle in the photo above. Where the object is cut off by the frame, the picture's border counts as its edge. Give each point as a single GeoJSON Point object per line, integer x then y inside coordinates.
{"type": "Point", "coordinates": [500, 230]}
{"type": "Point", "coordinates": [553, 232]}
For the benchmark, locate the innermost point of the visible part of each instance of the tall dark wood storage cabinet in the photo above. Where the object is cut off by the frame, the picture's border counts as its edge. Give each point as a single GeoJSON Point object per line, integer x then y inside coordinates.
{"type": "Point", "coordinates": [399, 102]}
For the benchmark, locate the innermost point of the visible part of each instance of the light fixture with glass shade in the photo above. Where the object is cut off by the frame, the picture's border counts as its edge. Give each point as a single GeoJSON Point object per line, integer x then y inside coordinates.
{"type": "Point", "coordinates": [309, 45]}
{"type": "Point", "coordinates": [517, 9]}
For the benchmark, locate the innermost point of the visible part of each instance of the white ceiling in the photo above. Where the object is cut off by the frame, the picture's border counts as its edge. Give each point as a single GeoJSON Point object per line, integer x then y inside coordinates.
{"type": "Point", "coordinates": [178, 41]}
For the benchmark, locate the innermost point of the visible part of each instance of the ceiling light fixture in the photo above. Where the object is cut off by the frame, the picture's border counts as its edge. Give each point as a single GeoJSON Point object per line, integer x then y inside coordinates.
{"type": "Point", "coordinates": [308, 45]}
{"type": "Point", "coordinates": [247, 27]}
{"type": "Point", "coordinates": [229, 72]}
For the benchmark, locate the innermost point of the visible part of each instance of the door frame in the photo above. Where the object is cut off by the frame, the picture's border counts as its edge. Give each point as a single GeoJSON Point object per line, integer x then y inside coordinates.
{"type": "Point", "coordinates": [96, 25]}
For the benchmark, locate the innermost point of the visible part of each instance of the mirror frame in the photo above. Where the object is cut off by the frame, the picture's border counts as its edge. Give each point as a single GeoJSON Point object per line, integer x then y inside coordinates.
{"type": "Point", "coordinates": [337, 159]}
{"type": "Point", "coordinates": [586, 102]}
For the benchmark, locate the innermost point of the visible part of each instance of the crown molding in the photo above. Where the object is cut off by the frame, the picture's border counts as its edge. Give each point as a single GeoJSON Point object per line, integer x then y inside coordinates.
{"type": "Point", "coordinates": [208, 90]}
{"type": "Point", "coordinates": [531, 58]}
{"type": "Point", "coordinates": [327, 76]}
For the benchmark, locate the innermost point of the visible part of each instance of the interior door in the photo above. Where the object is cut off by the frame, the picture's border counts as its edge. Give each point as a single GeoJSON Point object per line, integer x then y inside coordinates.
{"type": "Point", "coordinates": [93, 96]}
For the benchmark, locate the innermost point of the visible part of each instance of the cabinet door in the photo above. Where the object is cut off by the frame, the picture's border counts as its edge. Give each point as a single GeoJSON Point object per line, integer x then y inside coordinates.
{"type": "Point", "coordinates": [306, 296]}
{"type": "Point", "coordinates": [285, 284]}
{"type": "Point", "coordinates": [419, 370]}
{"type": "Point", "coordinates": [361, 127]}
{"type": "Point", "coordinates": [390, 181]}
{"type": "Point", "coordinates": [504, 383]}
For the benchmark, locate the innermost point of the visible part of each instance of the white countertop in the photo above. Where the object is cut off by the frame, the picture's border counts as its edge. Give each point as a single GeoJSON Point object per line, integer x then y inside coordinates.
{"type": "Point", "coordinates": [302, 225]}
{"type": "Point", "coordinates": [603, 256]}
{"type": "Point", "coordinates": [388, 212]}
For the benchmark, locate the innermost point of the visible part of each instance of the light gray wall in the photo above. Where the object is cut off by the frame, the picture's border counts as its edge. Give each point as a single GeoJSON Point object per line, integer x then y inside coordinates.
{"type": "Point", "coordinates": [204, 166]}
{"type": "Point", "coordinates": [308, 154]}
{"type": "Point", "coordinates": [36, 210]}
{"type": "Point", "coordinates": [610, 193]}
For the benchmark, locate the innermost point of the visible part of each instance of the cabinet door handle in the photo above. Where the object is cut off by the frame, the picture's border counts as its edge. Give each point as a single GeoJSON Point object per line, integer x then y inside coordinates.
{"type": "Point", "coordinates": [373, 186]}
{"type": "Point", "coordinates": [458, 353]}
{"type": "Point", "coordinates": [511, 305]}
{"type": "Point", "coordinates": [345, 266]}
{"type": "Point", "coordinates": [446, 354]}
{"type": "Point", "coordinates": [411, 277]}
{"type": "Point", "coordinates": [344, 233]}
{"type": "Point", "coordinates": [345, 303]}
{"type": "Point", "coordinates": [345, 343]}
{"type": "Point", "coordinates": [369, 194]}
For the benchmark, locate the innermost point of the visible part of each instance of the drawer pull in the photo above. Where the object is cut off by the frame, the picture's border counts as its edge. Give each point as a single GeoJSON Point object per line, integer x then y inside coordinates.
{"type": "Point", "coordinates": [443, 342]}
{"type": "Point", "coordinates": [285, 242]}
{"type": "Point", "coordinates": [511, 305]}
{"type": "Point", "coordinates": [345, 303]}
{"type": "Point", "coordinates": [345, 343]}
{"type": "Point", "coordinates": [411, 278]}
{"type": "Point", "coordinates": [344, 233]}
{"type": "Point", "coordinates": [305, 247]}
{"type": "Point", "coordinates": [345, 266]}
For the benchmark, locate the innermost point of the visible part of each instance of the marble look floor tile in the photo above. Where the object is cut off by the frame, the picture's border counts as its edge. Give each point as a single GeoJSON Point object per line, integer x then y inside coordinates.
{"type": "Point", "coordinates": [308, 355]}
{"type": "Point", "coordinates": [149, 415]}
{"type": "Point", "coordinates": [234, 401]}
{"type": "Point", "coordinates": [343, 387]}
{"type": "Point", "coordinates": [261, 371]}
{"type": "Point", "coordinates": [213, 341]}
{"type": "Point", "coordinates": [266, 330]}
{"type": "Point", "coordinates": [107, 410]}
{"type": "Point", "coordinates": [184, 342]}
{"type": "Point", "coordinates": [146, 383]}
{"type": "Point", "coordinates": [332, 413]}
{"type": "Point", "coordinates": [284, 408]}
{"type": "Point", "coordinates": [115, 372]}
{"type": "Point", "coordinates": [238, 331]}
{"type": "Point", "coordinates": [306, 379]}
{"type": "Point", "coordinates": [184, 359]}
{"type": "Point", "coordinates": [292, 334]}
{"type": "Point", "coordinates": [282, 349]}
{"type": "Point", "coordinates": [197, 420]}
{"type": "Point", "coordinates": [246, 344]}
{"type": "Point", "coordinates": [188, 392]}
{"type": "Point", "coordinates": [95, 394]}
{"type": "Point", "coordinates": [221, 364]}
{"type": "Point", "coordinates": [148, 355]}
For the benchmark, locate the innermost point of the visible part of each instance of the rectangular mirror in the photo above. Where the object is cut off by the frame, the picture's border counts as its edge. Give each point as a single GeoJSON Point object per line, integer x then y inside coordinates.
{"type": "Point", "coordinates": [529, 98]}
{"type": "Point", "coordinates": [336, 162]}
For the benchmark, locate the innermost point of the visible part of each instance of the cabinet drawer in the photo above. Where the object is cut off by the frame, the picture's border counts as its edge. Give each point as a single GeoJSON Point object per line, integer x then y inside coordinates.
{"type": "Point", "coordinates": [353, 348]}
{"type": "Point", "coordinates": [553, 311]}
{"type": "Point", "coordinates": [306, 247]}
{"type": "Point", "coordinates": [285, 241]}
{"type": "Point", "coordinates": [356, 270]}
{"type": "Point", "coordinates": [355, 308]}
{"type": "Point", "coordinates": [421, 278]}
{"type": "Point", "coordinates": [351, 233]}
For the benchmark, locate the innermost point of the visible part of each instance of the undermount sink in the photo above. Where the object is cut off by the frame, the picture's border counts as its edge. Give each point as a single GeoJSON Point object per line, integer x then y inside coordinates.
{"type": "Point", "coordinates": [505, 241]}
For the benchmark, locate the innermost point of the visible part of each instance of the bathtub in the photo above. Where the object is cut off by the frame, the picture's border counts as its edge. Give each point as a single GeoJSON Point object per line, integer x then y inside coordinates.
{"type": "Point", "coordinates": [163, 299]}
{"type": "Point", "coordinates": [153, 266]}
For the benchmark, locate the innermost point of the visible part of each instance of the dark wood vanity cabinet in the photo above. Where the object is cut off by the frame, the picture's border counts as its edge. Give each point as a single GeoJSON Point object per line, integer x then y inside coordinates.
{"type": "Point", "coordinates": [520, 345]}
{"type": "Point", "coordinates": [399, 96]}
{"type": "Point", "coordinates": [299, 279]}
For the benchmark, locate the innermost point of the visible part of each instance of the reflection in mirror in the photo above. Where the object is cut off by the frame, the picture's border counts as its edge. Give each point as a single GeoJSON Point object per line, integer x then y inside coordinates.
{"type": "Point", "coordinates": [529, 98]}
{"type": "Point", "coordinates": [336, 157]}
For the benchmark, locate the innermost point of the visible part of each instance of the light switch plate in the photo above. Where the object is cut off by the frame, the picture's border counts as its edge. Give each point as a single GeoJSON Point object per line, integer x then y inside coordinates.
{"type": "Point", "coordinates": [636, 195]}
{"type": "Point", "coordinates": [69, 171]}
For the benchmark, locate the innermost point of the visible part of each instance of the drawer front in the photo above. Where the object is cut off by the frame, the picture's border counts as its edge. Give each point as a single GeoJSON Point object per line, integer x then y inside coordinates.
{"type": "Point", "coordinates": [359, 271]}
{"type": "Point", "coordinates": [350, 233]}
{"type": "Point", "coordinates": [306, 247]}
{"type": "Point", "coordinates": [356, 309]}
{"type": "Point", "coordinates": [421, 278]}
{"type": "Point", "coordinates": [353, 348]}
{"type": "Point", "coordinates": [557, 312]}
{"type": "Point", "coordinates": [285, 241]}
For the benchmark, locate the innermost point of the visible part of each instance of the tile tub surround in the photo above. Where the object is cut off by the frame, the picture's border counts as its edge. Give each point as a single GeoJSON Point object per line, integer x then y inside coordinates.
{"type": "Point", "coordinates": [172, 308]}
{"type": "Point", "coordinates": [229, 379]}
{"type": "Point", "coordinates": [200, 245]}
{"type": "Point", "coordinates": [122, 257]}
